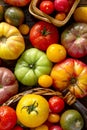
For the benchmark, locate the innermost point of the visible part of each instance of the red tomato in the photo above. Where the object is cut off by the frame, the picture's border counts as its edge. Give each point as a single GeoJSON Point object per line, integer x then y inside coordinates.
{"type": "Point", "coordinates": [61, 5]}
{"type": "Point", "coordinates": [8, 118]}
{"type": "Point", "coordinates": [55, 127]}
{"type": "Point", "coordinates": [42, 34]}
{"type": "Point", "coordinates": [17, 128]}
{"type": "Point", "coordinates": [47, 7]}
{"type": "Point", "coordinates": [56, 104]}
{"type": "Point", "coordinates": [17, 2]}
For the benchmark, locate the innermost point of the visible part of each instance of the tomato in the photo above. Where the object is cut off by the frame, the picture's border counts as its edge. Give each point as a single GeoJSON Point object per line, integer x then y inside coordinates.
{"type": "Point", "coordinates": [47, 7]}
{"type": "Point", "coordinates": [14, 16]}
{"type": "Point", "coordinates": [17, 2]}
{"type": "Point", "coordinates": [11, 42]}
{"type": "Point", "coordinates": [56, 104]}
{"type": "Point", "coordinates": [55, 127]}
{"type": "Point", "coordinates": [8, 84]}
{"type": "Point", "coordinates": [71, 120]}
{"type": "Point", "coordinates": [8, 118]}
{"type": "Point", "coordinates": [56, 53]}
{"type": "Point", "coordinates": [71, 74]}
{"type": "Point", "coordinates": [53, 117]}
{"type": "Point", "coordinates": [61, 5]}
{"type": "Point", "coordinates": [32, 64]}
{"type": "Point", "coordinates": [32, 110]}
{"type": "Point", "coordinates": [74, 39]}
{"type": "Point", "coordinates": [42, 34]}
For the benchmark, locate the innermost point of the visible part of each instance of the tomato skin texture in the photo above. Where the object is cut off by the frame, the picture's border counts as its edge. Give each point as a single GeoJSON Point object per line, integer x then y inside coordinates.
{"type": "Point", "coordinates": [71, 119]}
{"type": "Point", "coordinates": [71, 73]}
{"type": "Point", "coordinates": [17, 2]}
{"type": "Point", "coordinates": [56, 104]}
{"type": "Point", "coordinates": [8, 118]}
{"type": "Point", "coordinates": [8, 84]}
{"type": "Point", "coordinates": [42, 34]}
{"type": "Point", "coordinates": [14, 16]}
{"type": "Point", "coordinates": [61, 5]}
{"type": "Point", "coordinates": [47, 7]}
{"type": "Point", "coordinates": [72, 38]}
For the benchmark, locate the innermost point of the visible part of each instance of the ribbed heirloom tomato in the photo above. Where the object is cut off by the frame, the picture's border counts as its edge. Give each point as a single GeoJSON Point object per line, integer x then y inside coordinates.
{"type": "Point", "coordinates": [71, 74]}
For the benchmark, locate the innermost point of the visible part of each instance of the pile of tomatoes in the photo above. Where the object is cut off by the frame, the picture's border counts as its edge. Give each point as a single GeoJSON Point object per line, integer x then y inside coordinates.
{"type": "Point", "coordinates": [58, 9]}
{"type": "Point", "coordinates": [49, 58]}
{"type": "Point", "coordinates": [35, 112]}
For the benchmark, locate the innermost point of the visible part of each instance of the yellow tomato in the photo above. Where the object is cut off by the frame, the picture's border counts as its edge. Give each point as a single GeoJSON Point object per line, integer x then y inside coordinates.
{"type": "Point", "coordinates": [32, 110]}
{"type": "Point", "coordinates": [56, 52]}
{"type": "Point", "coordinates": [45, 81]}
{"type": "Point", "coordinates": [12, 43]}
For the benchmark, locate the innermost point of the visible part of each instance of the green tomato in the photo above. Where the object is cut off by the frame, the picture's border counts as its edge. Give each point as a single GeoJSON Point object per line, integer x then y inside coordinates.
{"type": "Point", "coordinates": [32, 64]}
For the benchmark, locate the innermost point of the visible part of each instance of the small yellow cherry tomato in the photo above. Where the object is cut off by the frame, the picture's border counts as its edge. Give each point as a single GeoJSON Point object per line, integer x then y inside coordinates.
{"type": "Point", "coordinates": [45, 81]}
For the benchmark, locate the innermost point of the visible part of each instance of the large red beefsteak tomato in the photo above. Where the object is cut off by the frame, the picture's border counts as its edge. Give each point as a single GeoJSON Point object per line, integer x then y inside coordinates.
{"type": "Point", "coordinates": [71, 74]}
{"type": "Point", "coordinates": [42, 34]}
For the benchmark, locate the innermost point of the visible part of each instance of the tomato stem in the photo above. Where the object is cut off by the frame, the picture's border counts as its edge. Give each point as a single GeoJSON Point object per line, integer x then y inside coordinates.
{"type": "Point", "coordinates": [73, 80]}
{"type": "Point", "coordinates": [31, 107]}
{"type": "Point", "coordinates": [45, 31]}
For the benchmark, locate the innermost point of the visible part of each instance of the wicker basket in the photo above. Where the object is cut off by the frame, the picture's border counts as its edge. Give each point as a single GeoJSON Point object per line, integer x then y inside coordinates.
{"type": "Point", "coordinates": [47, 93]}
{"type": "Point", "coordinates": [68, 97]}
{"type": "Point", "coordinates": [36, 12]}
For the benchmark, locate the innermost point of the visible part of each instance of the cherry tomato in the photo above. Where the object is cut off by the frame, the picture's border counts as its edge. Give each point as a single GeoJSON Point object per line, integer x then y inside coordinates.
{"type": "Point", "coordinates": [47, 7]}
{"type": "Point", "coordinates": [56, 104]}
{"type": "Point", "coordinates": [8, 118]}
{"type": "Point", "coordinates": [55, 127]}
{"type": "Point", "coordinates": [53, 117]}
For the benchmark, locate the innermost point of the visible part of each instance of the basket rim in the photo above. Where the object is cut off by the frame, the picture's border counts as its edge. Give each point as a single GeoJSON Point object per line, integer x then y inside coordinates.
{"type": "Point", "coordinates": [38, 90]}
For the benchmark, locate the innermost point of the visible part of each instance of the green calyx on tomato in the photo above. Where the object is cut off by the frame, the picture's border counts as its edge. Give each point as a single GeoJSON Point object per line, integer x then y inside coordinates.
{"type": "Point", "coordinates": [32, 64]}
{"type": "Point", "coordinates": [31, 107]}
{"type": "Point", "coordinates": [43, 34]}
{"type": "Point", "coordinates": [32, 110]}
{"type": "Point", "coordinates": [45, 31]}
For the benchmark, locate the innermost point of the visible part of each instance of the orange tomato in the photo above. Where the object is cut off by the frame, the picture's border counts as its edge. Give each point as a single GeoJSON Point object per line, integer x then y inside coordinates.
{"type": "Point", "coordinates": [53, 117]}
{"type": "Point", "coordinates": [56, 52]}
{"type": "Point", "coordinates": [45, 81]}
{"type": "Point", "coordinates": [60, 16]}
{"type": "Point", "coordinates": [24, 29]}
